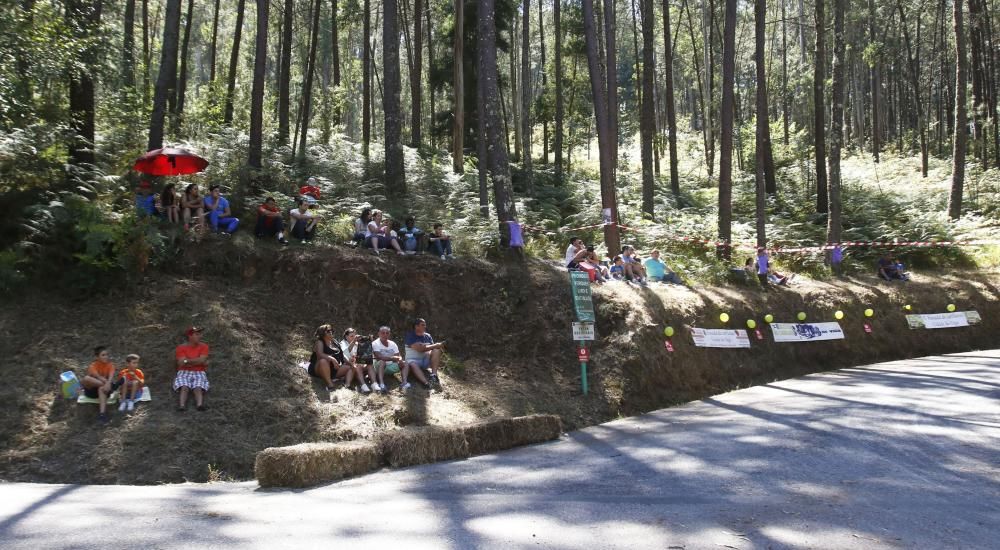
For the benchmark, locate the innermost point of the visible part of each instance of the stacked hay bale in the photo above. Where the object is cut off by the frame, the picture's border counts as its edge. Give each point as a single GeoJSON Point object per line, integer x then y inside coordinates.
{"type": "Point", "coordinates": [312, 463]}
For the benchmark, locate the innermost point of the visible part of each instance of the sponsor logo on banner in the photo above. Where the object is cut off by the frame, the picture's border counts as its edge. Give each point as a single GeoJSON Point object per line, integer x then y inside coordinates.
{"type": "Point", "coordinates": [806, 332]}
{"type": "Point", "coordinates": [720, 338]}
{"type": "Point", "coordinates": [943, 320]}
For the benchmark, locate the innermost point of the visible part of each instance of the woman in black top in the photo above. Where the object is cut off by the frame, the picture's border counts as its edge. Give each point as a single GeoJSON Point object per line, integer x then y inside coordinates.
{"type": "Point", "coordinates": [169, 204]}
{"type": "Point", "coordinates": [327, 359]}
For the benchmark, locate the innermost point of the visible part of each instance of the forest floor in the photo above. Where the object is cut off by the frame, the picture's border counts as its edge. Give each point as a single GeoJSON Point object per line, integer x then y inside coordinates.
{"type": "Point", "coordinates": [510, 351]}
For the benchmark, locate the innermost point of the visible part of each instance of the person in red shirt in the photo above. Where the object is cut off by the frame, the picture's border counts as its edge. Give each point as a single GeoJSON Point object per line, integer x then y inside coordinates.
{"type": "Point", "coordinates": [131, 380]}
{"type": "Point", "coordinates": [192, 360]}
{"type": "Point", "coordinates": [270, 221]}
{"type": "Point", "coordinates": [97, 383]}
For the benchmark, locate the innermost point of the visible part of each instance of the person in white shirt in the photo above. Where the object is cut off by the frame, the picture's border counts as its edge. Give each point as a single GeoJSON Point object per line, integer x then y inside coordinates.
{"type": "Point", "coordinates": [388, 359]}
{"type": "Point", "coordinates": [378, 236]}
{"type": "Point", "coordinates": [575, 253]}
{"type": "Point", "coordinates": [303, 221]}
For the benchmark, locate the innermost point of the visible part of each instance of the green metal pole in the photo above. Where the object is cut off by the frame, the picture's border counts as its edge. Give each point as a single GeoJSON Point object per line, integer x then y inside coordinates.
{"type": "Point", "coordinates": [583, 373]}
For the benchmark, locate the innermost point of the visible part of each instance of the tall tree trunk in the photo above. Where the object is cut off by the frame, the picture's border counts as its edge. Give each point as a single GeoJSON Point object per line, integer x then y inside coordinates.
{"type": "Point", "coordinates": [763, 134]}
{"type": "Point", "coordinates": [482, 154]}
{"type": "Point", "coordinates": [430, 63]}
{"type": "Point", "coordinates": [234, 62]}
{"type": "Point", "coordinates": [762, 141]}
{"type": "Point", "coordinates": [415, 74]}
{"type": "Point", "coordinates": [610, 13]}
{"type": "Point", "coordinates": [168, 72]}
{"type": "Point", "coordinates": [395, 178]}
{"type": "Point", "coordinates": [498, 162]}
{"type": "Point", "coordinates": [836, 121]}
{"type": "Point", "coordinates": [545, 82]}
{"type": "Point", "coordinates": [875, 84]}
{"type": "Point", "coordinates": [307, 79]}
{"type": "Point", "coordinates": [647, 122]}
{"type": "Point", "coordinates": [182, 78]}
{"type": "Point", "coordinates": [784, 72]}
{"type": "Point", "coordinates": [675, 184]}
{"type": "Point", "coordinates": [335, 45]}
{"type": "Point", "coordinates": [598, 83]}
{"type": "Point", "coordinates": [557, 144]}
{"type": "Point", "coordinates": [526, 94]}
{"type": "Point", "coordinates": [819, 111]}
{"type": "Point", "coordinates": [515, 97]}
{"type": "Point", "coordinates": [961, 122]}
{"type": "Point", "coordinates": [706, 132]}
{"type": "Point", "coordinates": [146, 59]}
{"type": "Point", "coordinates": [726, 153]}
{"type": "Point", "coordinates": [366, 83]}
{"type": "Point", "coordinates": [914, 73]}
{"type": "Point", "coordinates": [458, 125]}
{"type": "Point", "coordinates": [84, 18]}
{"type": "Point", "coordinates": [285, 75]}
{"type": "Point", "coordinates": [128, 46]}
{"type": "Point", "coordinates": [215, 41]}
{"type": "Point", "coordinates": [257, 90]}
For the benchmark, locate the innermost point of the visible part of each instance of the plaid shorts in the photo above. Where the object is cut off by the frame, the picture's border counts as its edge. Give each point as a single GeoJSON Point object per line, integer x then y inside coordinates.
{"type": "Point", "coordinates": [191, 379]}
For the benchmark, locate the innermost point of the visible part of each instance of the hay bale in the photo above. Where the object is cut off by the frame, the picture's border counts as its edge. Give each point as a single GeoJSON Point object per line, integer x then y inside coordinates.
{"type": "Point", "coordinates": [535, 428]}
{"type": "Point", "coordinates": [505, 433]}
{"type": "Point", "coordinates": [312, 463]}
{"type": "Point", "coordinates": [489, 436]}
{"type": "Point", "coordinates": [423, 445]}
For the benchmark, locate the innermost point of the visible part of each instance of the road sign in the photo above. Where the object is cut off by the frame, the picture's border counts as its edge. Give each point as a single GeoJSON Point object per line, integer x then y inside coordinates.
{"type": "Point", "coordinates": [583, 301]}
{"type": "Point", "coordinates": [583, 354]}
{"type": "Point", "coordinates": [583, 331]}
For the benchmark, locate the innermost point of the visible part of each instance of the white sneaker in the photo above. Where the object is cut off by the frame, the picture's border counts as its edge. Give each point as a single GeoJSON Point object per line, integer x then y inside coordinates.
{"type": "Point", "coordinates": [121, 408]}
{"type": "Point", "coordinates": [385, 389]}
{"type": "Point", "coordinates": [131, 405]}
{"type": "Point", "coordinates": [365, 388]}
{"type": "Point", "coordinates": [442, 256]}
{"type": "Point", "coordinates": [406, 386]}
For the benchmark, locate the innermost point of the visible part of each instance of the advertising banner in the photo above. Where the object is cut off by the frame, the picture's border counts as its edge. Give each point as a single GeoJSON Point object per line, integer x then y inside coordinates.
{"type": "Point", "coordinates": [943, 320]}
{"type": "Point", "coordinates": [806, 332]}
{"type": "Point", "coordinates": [720, 338]}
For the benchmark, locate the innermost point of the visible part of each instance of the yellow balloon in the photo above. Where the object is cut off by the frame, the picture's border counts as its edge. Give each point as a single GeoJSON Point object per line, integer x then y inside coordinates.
{"type": "Point", "coordinates": [669, 331]}
{"type": "Point", "coordinates": [951, 307]}
{"type": "Point", "coordinates": [724, 317]}
{"type": "Point", "coordinates": [801, 316]}
{"type": "Point", "coordinates": [751, 323]}
{"type": "Point", "coordinates": [907, 307]}
{"type": "Point", "coordinates": [869, 312]}
{"type": "Point", "coordinates": [769, 318]}
{"type": "Point", "coordinates": [839, 314]}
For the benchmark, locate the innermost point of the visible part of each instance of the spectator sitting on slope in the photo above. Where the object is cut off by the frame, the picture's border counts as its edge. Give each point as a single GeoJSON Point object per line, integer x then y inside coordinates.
{"type": "Point", "coordinates": [270, 221]}
{"type": "Point", "coordinates": [658, 270]}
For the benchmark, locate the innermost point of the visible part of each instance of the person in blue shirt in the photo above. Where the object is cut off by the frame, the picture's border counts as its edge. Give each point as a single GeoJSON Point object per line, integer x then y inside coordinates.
{"type": "Point", "coordinates": [658, 271]}
{"type": "Point", "coordinates": [145, 200]}
{"type": "Point", "coordinates": [220, 217]}
{"type": "Point", "coordinates": [422, 353]}
{"type": "Point", "coordinates": [413, 237]}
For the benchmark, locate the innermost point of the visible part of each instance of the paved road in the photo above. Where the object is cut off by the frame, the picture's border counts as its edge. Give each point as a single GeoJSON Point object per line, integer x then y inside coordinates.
{"type": "Point", "coordinates": [903, 454]}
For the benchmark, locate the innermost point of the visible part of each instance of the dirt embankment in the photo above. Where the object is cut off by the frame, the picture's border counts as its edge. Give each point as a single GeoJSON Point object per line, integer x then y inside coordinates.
{"type": "Point", "coordinates": [509, 352]}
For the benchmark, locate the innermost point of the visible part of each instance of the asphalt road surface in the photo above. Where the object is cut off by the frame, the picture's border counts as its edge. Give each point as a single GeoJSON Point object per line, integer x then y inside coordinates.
{"type": "Point", "coordinates": [894, 455]}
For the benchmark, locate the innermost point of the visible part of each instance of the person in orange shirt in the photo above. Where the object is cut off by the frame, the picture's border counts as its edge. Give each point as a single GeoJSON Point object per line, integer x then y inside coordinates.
{"type": "Point", "coordinates": [192, 360]}
{"type": "Point", "coordinates": [131, 380]}
{"type": "Point", "coordinates": [97, 384]}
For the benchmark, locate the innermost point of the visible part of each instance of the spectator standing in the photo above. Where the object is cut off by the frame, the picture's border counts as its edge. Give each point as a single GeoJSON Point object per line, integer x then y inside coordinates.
{"type": "Point", "coordinates": [422, 353]}
{"type": "Point", "coordinates": [220, 217]}
{"type": "Point", "coordinates": [836, 259]}
{"type": "Point", "coordinates": [763, 266]}
{"type": "Point", "coordinates": [269, 221]}
{"type": "Point", "coordinates": [303, 221]}
{"type": "Point", "coordinates": [192, 361]}
{"type": "Point", "coordinates": [440, 242]}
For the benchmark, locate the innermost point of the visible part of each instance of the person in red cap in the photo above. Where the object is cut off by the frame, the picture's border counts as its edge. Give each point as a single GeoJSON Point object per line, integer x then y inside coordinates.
{"type": "Point", "coordinates": [145, 200]}
{"type": "Point", "coordinates": [192, 360]}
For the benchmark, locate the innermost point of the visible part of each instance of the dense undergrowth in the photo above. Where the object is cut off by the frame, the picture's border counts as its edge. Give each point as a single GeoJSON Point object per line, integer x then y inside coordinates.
{"type": "Point", "coordinates": [78, 228]}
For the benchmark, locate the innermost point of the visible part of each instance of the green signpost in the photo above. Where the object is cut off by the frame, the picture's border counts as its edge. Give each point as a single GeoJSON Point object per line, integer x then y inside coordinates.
{"type": "Point", "coordinates": [583, 305]}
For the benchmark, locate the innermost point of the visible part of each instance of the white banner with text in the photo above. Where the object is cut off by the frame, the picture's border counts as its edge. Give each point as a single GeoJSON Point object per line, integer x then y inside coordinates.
{"type": "Point", "coordinates": [943, 320]}
{"type": "Point", "coordinates": [806, 332]}
{"type": "Point", "coordinates": [720, 338]}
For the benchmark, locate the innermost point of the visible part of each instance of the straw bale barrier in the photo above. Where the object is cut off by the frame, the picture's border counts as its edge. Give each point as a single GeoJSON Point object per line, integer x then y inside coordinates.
{"type": "Point", "coordinates": [313, 463]}
{"type": "Point", "coordinates": [411, 446]}
{"type": "Point", "coordinates": [504, 433]}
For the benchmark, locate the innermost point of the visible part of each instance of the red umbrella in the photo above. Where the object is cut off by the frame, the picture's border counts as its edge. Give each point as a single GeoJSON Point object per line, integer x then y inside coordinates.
{"type": "Point", "coordinates": [170, 161]}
